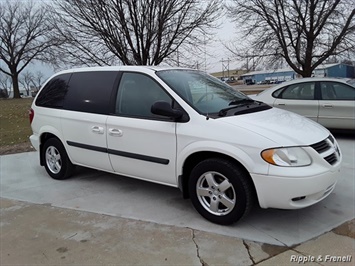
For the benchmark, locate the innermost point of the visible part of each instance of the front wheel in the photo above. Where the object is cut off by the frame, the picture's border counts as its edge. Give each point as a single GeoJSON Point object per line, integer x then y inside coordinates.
{"type": "Point", "coordinates": [56, 160]}
{"type": "Point", "coordinates": [220, 191]}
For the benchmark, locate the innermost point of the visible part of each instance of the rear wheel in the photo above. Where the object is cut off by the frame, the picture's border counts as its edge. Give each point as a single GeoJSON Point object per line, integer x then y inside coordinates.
{"type": "Point", "coordinates": [220, 191]}
{"type": "Point", "coordinates": [56, 160]}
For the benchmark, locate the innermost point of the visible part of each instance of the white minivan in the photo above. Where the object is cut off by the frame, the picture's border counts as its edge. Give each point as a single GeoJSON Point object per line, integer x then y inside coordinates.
{"type": "Point", "coordinates": [183, 128]}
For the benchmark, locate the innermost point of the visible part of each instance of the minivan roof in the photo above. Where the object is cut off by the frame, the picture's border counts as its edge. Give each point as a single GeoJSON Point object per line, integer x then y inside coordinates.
{"type": "Point", "coordinates": [120, 68]}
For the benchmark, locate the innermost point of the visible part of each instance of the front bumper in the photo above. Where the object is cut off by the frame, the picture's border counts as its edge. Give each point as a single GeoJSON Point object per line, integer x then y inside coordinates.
{"type": "Point", "coordinates": [294, 192]}
{"type": "Point", "coordinates": [300, 187]}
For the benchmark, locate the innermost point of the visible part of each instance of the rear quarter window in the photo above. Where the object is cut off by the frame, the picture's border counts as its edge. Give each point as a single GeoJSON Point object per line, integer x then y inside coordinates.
{"type": "Point", "coordinates": [90, 91]}
{"type": "Point", "coordinates": [54, 92]}
{"type": "Point", "coordinates": [276, 94]}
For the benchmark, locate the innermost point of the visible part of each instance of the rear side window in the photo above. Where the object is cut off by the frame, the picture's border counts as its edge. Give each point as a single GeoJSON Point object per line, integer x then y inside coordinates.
{"type": "Point", "coordinates": [299, 91]}
{"type": "Point", "coordinates": [54, 92]}
{"type": "Point", "coordinates": [90, 91]}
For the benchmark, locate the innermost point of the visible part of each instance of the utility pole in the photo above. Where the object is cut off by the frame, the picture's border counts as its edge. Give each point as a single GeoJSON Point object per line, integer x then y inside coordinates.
{"type": "Point", "coordinates": [225, 66]}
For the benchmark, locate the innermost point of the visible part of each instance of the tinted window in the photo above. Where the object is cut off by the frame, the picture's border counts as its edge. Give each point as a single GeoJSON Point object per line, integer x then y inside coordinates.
{"type": "Point", "coordinates": [136, 95]}
{"type": "Point", "coordinates": [277, 94]}
{"type": "Point", "coordinates": [299, 91]}
{"type": "Point", "coordinates": [90, 91]}
{"type": "Point", "coordinates": [337, 91]}
{"type": "Point", "coordinates": [54, 92]}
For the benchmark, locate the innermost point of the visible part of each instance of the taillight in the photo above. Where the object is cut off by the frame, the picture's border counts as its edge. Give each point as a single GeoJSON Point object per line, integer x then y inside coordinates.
{"type": "Point", "coordinates": [31, 115]}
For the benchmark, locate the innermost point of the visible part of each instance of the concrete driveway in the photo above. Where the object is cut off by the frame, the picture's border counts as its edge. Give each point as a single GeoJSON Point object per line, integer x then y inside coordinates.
{"type": "Point", "coordinates": [21, 178]}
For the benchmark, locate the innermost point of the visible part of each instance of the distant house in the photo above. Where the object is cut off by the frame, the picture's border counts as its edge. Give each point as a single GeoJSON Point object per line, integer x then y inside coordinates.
{"type": "Point", "coordinates": [338, 70]}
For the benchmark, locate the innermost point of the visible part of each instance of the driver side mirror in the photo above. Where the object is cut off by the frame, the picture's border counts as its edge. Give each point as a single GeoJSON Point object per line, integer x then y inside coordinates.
{"type": "Point", "coordinates": [164, 109]}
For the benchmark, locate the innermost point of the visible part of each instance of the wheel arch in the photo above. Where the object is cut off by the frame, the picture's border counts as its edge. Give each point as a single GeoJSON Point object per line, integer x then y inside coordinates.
{"type": "Point", "coordinates": [43, 138]}
{"type": "Point", "coordinates": [193, 159]}
{"type": "Point", "coordinates": [55, 158]}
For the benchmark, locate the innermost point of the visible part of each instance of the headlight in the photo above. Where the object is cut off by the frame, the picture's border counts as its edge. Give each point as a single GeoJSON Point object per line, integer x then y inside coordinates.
{"type": "Point", "coordinates": [293, 156]}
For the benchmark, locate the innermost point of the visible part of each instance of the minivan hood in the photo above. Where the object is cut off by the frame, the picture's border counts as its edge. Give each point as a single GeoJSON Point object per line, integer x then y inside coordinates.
{"type": "Point", "coordinates": [280, 126]}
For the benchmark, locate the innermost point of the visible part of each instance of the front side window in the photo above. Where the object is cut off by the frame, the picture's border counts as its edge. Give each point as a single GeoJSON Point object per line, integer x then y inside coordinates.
{"type": "Point", "coordinates": [336, 91]}
{"type": "Point", "coordinates": [203, 92]}
{"type": "Point", "coordinates": [136, 95]}
{"type": "Point", "coordinates": [299, 91]}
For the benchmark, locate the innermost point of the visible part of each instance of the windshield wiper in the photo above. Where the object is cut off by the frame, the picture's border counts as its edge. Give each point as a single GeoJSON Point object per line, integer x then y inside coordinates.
{"type": "Point", "coordinates": [236, 104]}
{"type": "Point", "coordinates": [241, 101]}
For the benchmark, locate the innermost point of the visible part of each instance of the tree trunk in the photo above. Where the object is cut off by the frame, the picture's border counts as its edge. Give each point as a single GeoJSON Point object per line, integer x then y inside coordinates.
{"type": "Point", "coordinates": [15, 85]}
{"type": "Point", "coordinates": [307, 73]}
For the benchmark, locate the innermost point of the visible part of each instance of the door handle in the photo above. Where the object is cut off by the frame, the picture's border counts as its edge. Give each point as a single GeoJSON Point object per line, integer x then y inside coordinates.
{"type": "Point", "coordinates": [327, 105]}
{"type": "Point", "coordinates": [97, 129]}
{"type": "Point", "coordinates": [281, 104]}
{"type": "Point", "coordinates": [115, 132]}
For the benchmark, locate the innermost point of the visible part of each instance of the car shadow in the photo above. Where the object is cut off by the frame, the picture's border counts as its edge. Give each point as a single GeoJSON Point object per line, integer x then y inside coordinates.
{"type": "Point", "coordinates": [343, 133]}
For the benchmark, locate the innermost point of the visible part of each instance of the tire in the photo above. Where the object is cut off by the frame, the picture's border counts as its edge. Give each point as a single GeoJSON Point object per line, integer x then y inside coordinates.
{"type": "Point", "coordinates": [220, 191]}
{"type": "Point", "coordinates": [56, 160]}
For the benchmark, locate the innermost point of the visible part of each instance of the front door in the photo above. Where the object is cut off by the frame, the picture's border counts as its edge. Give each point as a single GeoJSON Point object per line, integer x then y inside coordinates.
{"type": "Point", "coordinates": [141, 144]}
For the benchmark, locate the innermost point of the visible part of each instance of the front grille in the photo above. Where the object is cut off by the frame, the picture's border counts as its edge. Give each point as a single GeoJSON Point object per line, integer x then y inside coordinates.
{"type": "Point", "coordinates": [332, 159]}
{"type": "Point", "coordinates": [328, 150]}
{"type": "Point", "coordinates": [332, 139]}
{"type": "Point", "coordinates": [321, 146]}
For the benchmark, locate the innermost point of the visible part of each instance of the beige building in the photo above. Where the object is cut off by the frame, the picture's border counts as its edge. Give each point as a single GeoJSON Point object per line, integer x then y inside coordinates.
{"type": "Point", "coordinates": [236, 73]}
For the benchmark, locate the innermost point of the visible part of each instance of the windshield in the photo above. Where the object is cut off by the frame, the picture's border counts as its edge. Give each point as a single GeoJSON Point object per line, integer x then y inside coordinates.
{"type": "Point", "coordinates": [203, 92]}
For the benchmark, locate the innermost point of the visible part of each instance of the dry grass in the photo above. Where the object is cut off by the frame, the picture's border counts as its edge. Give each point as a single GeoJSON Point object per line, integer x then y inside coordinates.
{"type": "Point", "coordinates": [15, 126]}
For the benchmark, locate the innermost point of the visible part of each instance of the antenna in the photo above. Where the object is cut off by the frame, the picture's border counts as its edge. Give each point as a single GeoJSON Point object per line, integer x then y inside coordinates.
{"type": "Point", "coordinates": [205, 45]}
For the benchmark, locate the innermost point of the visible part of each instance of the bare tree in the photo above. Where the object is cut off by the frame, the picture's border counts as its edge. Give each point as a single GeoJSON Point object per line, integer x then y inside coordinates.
{"type": "Point", "coordinates": [5, 86]}
{"type": "Point", "coordinates": [4, 81]}
{"type": "Point", "coordinates": [303, 33]}
{"type": "Point", "coordinates": [251, 61]}
{"type": "Point", "coordinates": [38, 79]}
{"type": "Point", "coordinates": [142, 32]}
{"type": "Point", "coordinates": [27, 81]}
{"type": "Point", "coordinates": [23, 30]}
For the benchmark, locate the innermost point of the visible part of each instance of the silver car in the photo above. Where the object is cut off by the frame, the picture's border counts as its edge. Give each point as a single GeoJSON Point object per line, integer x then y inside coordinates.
{"type": "Point", "coordinates": [328, 101]}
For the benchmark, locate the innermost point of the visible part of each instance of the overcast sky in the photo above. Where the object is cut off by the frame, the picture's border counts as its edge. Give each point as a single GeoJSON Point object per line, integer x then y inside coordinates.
{"type": "Point", "coordinates": [215, 51]}
{"type": "Point", "coordinates": [214, 55]}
